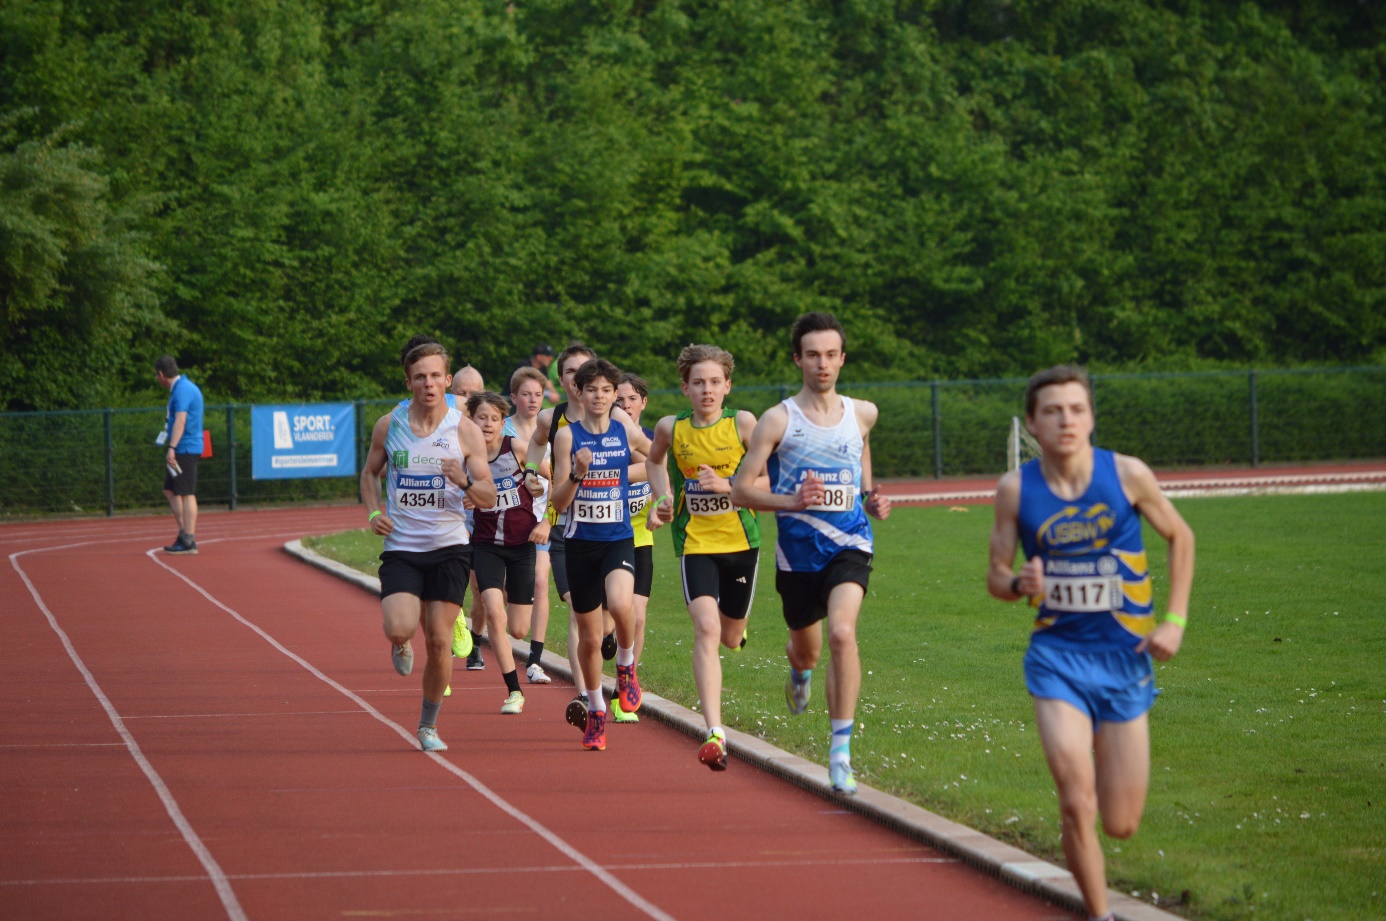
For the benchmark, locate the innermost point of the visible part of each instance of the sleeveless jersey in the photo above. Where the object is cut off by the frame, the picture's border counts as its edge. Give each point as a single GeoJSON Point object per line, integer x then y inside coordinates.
{"type": "Point", "coordinates": [707, 522]}
{"type": "Point", "coordinates": [1097, 591]}
{"type": "Point", "coordinates": [510, 520]}
{"type": "Point", "coordinates": [557, 421]}
{"type": "Point", "coordinates": [599, 510]}
{"type": "Point", "coordinates": [809, 539]}
{"type": "Point", "coordinates": [638, 498]}
{"type": "Point", "coordinates": [425, 506]}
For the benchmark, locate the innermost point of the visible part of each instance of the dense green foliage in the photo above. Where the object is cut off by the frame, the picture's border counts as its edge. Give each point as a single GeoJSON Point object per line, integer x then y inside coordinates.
{"type": "Point", "coordinates": [281, 191]}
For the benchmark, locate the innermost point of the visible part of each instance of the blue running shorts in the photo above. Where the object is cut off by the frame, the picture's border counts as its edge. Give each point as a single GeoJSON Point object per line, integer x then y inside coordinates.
{"type": "Point", "coordinates": [1111, 686]}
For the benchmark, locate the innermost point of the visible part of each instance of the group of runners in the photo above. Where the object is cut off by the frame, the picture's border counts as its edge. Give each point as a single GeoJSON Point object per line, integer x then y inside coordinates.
{"type": "Point", "coordinates": [495, 490]}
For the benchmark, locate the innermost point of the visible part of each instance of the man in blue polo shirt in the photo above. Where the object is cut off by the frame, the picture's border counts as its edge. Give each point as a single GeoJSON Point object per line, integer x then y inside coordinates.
{"type": "Point", "coordinates": [183, 449]}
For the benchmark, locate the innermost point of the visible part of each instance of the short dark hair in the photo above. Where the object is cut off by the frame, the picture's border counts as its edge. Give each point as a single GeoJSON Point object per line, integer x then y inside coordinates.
{"type": "Point", "coordinates": [577, 348]}
{"type": "Point", "coordinates": [501, 404]}
{"type": "Point", "coordinates": [542, 348]}
{"type": "Point", "coordinates": [816, 322]}
{"type": "Point", "coordinates": [1059, 374]}
{"type": "Point", "coordinates": [413, 343]}
{"type": "Point", "coordinates": [597, 367]}
{"type": "Point", "coordinates": [637, 383]}
{"type": "Point", "coordinates": [424, 350]}
{"type": "Point", "coordinates": [166, 366]}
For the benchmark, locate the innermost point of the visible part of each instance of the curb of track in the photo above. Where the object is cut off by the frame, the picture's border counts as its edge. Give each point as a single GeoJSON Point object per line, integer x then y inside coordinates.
{"type": "Point", "coordinates": [997, 858]}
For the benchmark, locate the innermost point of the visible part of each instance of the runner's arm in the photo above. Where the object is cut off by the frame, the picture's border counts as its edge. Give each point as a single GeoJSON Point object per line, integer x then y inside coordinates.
{"type": "Point", "coordinates": [562, 490]}
{"type": "Point", "coordinates": [482, 491]}
{"type": "Point", "coordinates": [745, 428]}
{"type": "Point", "coordinates": [877, 503]}
{"type": "Point", "coordinates": [661, 510]}
{"type": "Point", "coordinates": [1138, 480]}
{"type": "Point", "coordinates": [764, 440]}
{"type": "Point", "coordinates": [370, 477]}
{"type": "Point", "coordinates": [1005, 538]}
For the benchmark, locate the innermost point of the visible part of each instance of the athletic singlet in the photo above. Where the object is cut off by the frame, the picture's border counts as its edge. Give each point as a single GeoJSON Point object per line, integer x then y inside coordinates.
{"type": "Point", "coordinates": [1097, 592]}
{"type": "Point", "coordinates": [599, 511]}
{"type": "Point", "coordinates": [809, 539]}
{"type": "Point", "coordinates": [638, 497]}
{"type": "Point", "coordinates": [510, 521]}
{"type": "Point", "coordinates": [707, 522]}
{"type": "Point", "coordinates": [425, 506]}
{"type": "Point", "coordinates": [557, 421]}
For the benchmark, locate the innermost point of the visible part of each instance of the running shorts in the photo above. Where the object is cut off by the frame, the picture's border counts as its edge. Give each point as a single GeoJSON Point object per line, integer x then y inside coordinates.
{"type": "Point", "coordinates": [590, 562]}
{"type": "Point", "coordinates": [804, 595]}
{"type": "Point", "coordinates": [1110, 686]}
{"type": "Point", "coordinates": [434, 575]}
{"type": "Point", "coordinates": [510, 569]}
{"type": "Point", "coordinates": [730, 578]}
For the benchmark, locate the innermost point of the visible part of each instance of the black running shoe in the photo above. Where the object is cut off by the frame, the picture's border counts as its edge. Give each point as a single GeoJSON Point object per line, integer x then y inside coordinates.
{"type": "Point", "coordinates": [576, 714]}
{"type": "Point", "coordinates": [609, 646]}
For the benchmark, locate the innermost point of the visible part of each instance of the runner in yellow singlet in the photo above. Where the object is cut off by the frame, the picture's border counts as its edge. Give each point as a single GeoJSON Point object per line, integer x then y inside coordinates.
{"type": "Point", "coordinates": [718, 545]}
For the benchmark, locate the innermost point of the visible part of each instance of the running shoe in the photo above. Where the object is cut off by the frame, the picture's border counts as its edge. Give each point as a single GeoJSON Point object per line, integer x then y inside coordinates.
{"type": "Point", "coordinates": [744, 636]}
{"type": "Point", "coordinates": [618, 715]}
{"type": "Point", "coordinates": [189, 547]}
{"type": "Point", "coordinates": [475, 663]}
{"type": "Point", "coordinates": [609, 646]}
{"type": "Point", "coordinates": [429, 741]}
{"type": "Point", "coordinates": [576, 714]}
{"type": "Point", "coordinates": [714, 752]}
{"type": "Point", "coordinates": [447, 691]}
{"type": "Point", "coordinates": [514, 703]}
{"type": "Point", "coordinates": [461, 638]}
{"type": "Point", "coordinates": [628, 687]}
{"type": "Point", "coordinates": [842, 779]}
{"type": "Point", "coordinates": [594, 739]}
{"type": "Point", "coordinates": [796, 693]}
{"type": "Point", "coordinates": [536, 674]}
{"type": "Point", "coordinates": [403, 657]}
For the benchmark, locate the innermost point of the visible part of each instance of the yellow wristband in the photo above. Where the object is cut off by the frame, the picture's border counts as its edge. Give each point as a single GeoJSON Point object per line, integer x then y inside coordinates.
{"type": "Point", "coordinates": [1180, 619]}
{"type": "Point", "coordinates": [373, 515]}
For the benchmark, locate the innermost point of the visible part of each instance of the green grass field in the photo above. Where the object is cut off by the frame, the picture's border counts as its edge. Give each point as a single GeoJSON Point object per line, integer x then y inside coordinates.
{"type": "Point", "coordinates": [1269, 743]}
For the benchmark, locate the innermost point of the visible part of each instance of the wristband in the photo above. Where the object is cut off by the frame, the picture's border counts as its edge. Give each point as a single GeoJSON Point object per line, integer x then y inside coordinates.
{"type": "Point", "coordinates": [1182, 620]}
{"type": "Point", "coordinates": [1015, 585]}
{"type": "Point", "coordinates": [659, 499]}
{"type": "Point", "coordinates": [532, 466]}
{"type": "Point", "coordinates": [373, 515]}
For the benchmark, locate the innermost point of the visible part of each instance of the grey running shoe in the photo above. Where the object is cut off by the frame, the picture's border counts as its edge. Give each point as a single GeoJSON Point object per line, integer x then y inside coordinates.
{"type": "Point", "coordinates": [403, 657]}
{"type": "Point", "coordinates": [429, 741]}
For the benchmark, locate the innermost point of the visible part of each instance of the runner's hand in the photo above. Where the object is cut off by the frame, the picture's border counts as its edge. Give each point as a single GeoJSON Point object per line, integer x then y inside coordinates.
{"type": "Point", "coordinates": [540, 534]}
{"type": "Point", "coordinates": [711, 482]}
{"type": "Point", "coordinates": [878, 506]}
{"type": "Point", "coordinates": [452, 469]}
{"type": "Point", "coordinates": [660, 514]}
{"type": "Point", "coordinates": [534, 484]}
{"type": "Point", "coordinates": [1031, 578]}
{"type": "Point", "coordinates": [810, 492]}
{"type": "Point", "coordinates": [582, 462]}
{"type": "Point", "coordinates": [1163, 642]}
{"type": "Point", "coordinates": [382, 525]}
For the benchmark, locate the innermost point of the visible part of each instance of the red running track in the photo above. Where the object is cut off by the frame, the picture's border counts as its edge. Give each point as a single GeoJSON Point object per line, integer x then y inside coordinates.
{"type": "Point", "coordinates": [222, 736]}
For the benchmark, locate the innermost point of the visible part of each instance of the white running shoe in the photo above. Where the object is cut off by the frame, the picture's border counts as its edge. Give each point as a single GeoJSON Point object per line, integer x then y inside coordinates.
{"type": "Point", "coordinates": [514, 703]}
{"type": "Point", "coordinates": [429, 741]}
{"type": "Point", "coordinates": [403, 657]}
{"type": "Point", "coordinates": [842, 778]}
{"type": "Point", "coordinates": [536, 674]}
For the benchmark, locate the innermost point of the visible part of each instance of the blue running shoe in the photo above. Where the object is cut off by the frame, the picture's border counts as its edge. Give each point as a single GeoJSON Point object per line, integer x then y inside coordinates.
{"type": "Point", "coordinates": [796, 692]}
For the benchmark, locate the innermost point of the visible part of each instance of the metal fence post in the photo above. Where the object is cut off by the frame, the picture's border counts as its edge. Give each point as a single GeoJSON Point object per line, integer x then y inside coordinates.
{"type": "Point", "coordinates": [938, 432]}
{"type": "Point", "coordinates": [361, 448]}
{"type": "Point", "coordinates": [1255, 421]}
{"type": "Point", "coordinates": [231, 449]}
{"type": "Point", "coordinates": [110, 465]}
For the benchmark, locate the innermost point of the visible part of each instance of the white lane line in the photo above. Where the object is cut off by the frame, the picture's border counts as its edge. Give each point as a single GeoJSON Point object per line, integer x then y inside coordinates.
{"type": "Point", "coordinates": [232, 716]}
{"type": "Point", "coordinates": [204, 856]}
{"type": "Point", "coordinates": [483, 871]}
{"type": "Point", "coordinates": [554, 840]}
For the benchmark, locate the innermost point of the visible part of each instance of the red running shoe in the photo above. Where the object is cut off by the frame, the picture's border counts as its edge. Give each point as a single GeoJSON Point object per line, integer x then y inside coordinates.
{"type": "Point", "coordinates": [628, 687]}
{"type": "Point", "coordinates": [594, 739]}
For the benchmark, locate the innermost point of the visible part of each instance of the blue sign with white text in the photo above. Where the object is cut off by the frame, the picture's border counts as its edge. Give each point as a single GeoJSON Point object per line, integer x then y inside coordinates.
{"type": "Point", "coordinates": [307, 440]}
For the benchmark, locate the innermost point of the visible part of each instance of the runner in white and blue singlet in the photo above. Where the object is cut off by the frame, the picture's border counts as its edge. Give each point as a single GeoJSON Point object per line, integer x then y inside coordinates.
{"type": "Point", "coordinates": [815, 447]}
{"type": "Point", "coordinates": [431, 455]}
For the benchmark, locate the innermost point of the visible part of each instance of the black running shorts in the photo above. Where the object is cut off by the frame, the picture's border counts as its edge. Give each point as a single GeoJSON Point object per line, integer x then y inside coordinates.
{"type": "Point", "coordinates": [730, 578]}
{"type": "Point", "coordinates": [590, 562]}
{"type": "Point", "coordinates": [558, 560]}
{"type": "Point", "coordinates": [510, 569]}
{"type": "Point", "coordinates": [644, 571]}
{"type": "Point", "coordinates": [805, 594]}
{"type": "Point", "coordinates": [434, 575]}
{"type": "Point", "coordinates": [185, 484]}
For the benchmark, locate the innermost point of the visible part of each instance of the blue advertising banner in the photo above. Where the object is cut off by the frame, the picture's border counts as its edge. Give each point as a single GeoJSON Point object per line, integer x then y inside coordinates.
{"type": "Point", "coordinates": [307, 440]}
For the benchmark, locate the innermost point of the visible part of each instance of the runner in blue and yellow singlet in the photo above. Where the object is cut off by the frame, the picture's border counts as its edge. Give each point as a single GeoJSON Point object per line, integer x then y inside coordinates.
{"type": "Point", "coordinates": [718, 545]}
{"type": "Point", "coordinates": [1076, 512]}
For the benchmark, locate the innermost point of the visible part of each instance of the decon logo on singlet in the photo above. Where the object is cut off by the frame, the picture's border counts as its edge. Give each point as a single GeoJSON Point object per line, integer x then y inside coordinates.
{"type": "Point", "coordinates": [400, 458]}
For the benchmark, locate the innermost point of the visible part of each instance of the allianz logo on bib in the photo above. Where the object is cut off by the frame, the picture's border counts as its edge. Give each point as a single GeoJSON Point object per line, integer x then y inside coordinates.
{"type": "Point", "coordinates": [611, 441]}
{"type": "Point", "coordinates": [411, 481]}
{"type": "Point", "coordinates": [828, 476]}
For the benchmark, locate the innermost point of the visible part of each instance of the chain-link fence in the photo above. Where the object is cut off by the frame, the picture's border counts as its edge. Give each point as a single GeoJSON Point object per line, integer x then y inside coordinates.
{"type": "Point", "coordinates": [93, 461]}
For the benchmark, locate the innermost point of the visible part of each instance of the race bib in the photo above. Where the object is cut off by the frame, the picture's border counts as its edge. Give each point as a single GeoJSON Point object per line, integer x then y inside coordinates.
{"type": "Point", "coordinates": [413, 491]}
{"type": "Point", "coordinates": [507, 494]}
{"type": "Point", "coordinates": [700, 502]}
{"type": "Point", "coordinates": [1082, 594]}
{"type": "Point", "coordinates": [593, 511]}
{"type": "Point", "coordinates": [636, 504]}
{"type": "Point", "coordinates": [837, 499]}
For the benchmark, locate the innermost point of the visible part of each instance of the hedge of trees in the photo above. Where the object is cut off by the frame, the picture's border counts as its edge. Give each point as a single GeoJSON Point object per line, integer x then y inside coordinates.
{"type": "Point", "coordinates": [280, 192]}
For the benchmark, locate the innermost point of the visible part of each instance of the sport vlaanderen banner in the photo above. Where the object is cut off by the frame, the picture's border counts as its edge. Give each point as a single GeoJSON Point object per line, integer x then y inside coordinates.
{"type": "Point", "coordinates": [306, 440]}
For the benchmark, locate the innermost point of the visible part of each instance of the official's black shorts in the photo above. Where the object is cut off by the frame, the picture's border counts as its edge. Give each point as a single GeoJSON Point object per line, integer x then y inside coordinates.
{"type": "Point", "coordinates": [730, 578]}
{"type": "Point", "coordinates": [644, 571]}
{"type": "Point", "coordinates": [558, 560]}
{"type": "Point", "coordinates": [434, 575]}
{"type": "Point", "coordinates": [510, 569]}
{"type": "Point", "coordinates": [185, 484]}
{"type": "Point", "coordinates": [590, 562]}
{"type": "Point", "coordinates": [805, 594]}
